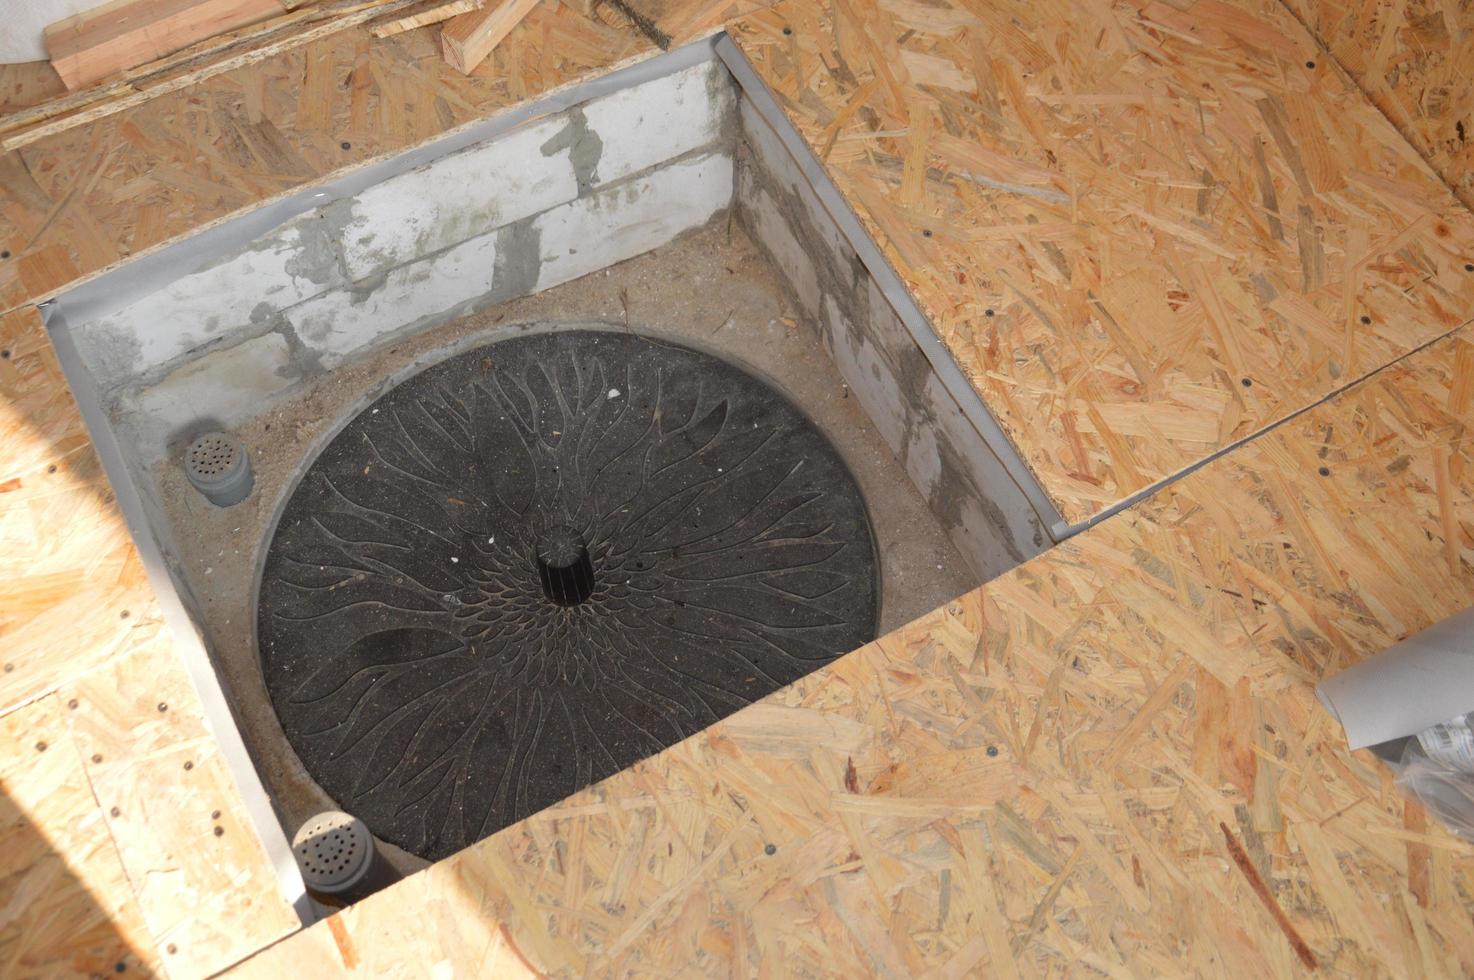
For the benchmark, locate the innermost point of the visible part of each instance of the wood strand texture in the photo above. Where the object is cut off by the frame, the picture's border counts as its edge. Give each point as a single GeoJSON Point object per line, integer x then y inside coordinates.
{"type": "Point", "coordinates": [1415, 60]}
{"type": "Point", "coordinates": [111, 785]}
{"type": "Point", "coordinates": [1110, 758]}
{"type": "Point", "coordinates": [422, 15]}
{"type": "Point", "coordinates": [94, 44]}
{"type": "Point", "coordinates": [1145, 231]}
{"type": "Point", "coordinates": [469, 38]}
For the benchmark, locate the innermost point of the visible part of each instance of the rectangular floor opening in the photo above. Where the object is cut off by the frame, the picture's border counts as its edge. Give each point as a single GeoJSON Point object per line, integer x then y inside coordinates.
{"type": "Point", "coordinates": [671, 209]}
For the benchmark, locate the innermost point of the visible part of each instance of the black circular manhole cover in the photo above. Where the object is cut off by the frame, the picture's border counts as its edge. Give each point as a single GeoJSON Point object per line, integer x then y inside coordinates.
{"type": "Point", "coordinates": [536, 563]}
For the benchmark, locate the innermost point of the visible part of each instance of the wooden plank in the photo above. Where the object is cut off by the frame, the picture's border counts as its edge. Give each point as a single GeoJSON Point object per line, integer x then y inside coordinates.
{"type": "Point", "coordinates": [1145, 231]}
{"type": "Point", "coordinates": [1415, 60]}
{"type": "Point", "coordinates": [886, 810]}
{"type": "Point", "coordinates": [469, 38]}
{"type": "Point", "coordinates": [91, 45]}
{"type": "Point", "coordinates": [24, 85]}
{"type": "Point", "coordinates": [429, 12]}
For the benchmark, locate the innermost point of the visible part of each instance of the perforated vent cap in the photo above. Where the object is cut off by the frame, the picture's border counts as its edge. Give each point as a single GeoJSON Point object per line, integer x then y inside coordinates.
{"type": "Point", "coordinates": [334, 851]}
{"type": "Point", "coordinates": [217, 466]}
{"type": "Point", "coordinates": [213, 455]}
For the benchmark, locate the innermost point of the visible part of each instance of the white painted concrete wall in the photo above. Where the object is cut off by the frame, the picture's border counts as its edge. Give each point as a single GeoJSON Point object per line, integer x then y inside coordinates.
{"type": "Point", "coordinates": [966, 486]}
{"type": "Point", "coordinates": [550, 201]}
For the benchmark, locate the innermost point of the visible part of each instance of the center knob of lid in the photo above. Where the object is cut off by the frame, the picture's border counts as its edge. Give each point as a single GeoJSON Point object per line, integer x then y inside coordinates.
{"type": "Point", "coordinates": [564, 567]}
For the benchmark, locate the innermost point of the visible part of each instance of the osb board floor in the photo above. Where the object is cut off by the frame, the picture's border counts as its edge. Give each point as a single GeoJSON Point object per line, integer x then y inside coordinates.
{"type": "Point", "coordinates": [1145, 231]}
{"type": "Point", "coordinates": [1144, 684]}
{"type": "Point", "coordinates": [77, 203]}
{"type": "Point", "coordinates": [1110, 758]}
{"type": "Point", "coordinates": [1415, 60]}
{"type": "Point", "coordinates": [111, 785]}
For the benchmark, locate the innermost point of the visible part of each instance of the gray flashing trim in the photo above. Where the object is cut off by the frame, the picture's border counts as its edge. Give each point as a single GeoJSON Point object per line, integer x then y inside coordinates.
{"type": "Point", "coordinates": [893, 289]}
{"type": "Point", "coordinates": [188, 644]}
{"type": "Point", "coordinates": [114, 290]}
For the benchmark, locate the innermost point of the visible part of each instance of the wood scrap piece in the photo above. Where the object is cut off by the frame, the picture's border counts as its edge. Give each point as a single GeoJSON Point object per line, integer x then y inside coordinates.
{"type": "Point", "coordinates": [1266, 897]}
{"type": "Point", "coordinates": [89, 46]}
{"type": "Point", "coordinates": [469, 38]}
{"type": "Point", "coordinates": [429, 12]}
{"type": "Point", "coordinates": [211, 57]}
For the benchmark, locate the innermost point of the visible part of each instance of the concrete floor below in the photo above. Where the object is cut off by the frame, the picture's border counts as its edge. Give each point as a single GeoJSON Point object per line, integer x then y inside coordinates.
{"type": "Point", "coordinates": [711, 290]}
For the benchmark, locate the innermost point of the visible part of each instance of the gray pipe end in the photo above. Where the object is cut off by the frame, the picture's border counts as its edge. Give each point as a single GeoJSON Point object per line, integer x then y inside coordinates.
{"type": "Point", "coordinates": [217, 466]}
{"type": "Point", "coordinates": [334, 851]}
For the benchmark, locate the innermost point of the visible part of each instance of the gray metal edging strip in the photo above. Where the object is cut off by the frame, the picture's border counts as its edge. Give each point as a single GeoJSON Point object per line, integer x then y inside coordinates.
{"type": "Point", "coordinates": [893, 289]}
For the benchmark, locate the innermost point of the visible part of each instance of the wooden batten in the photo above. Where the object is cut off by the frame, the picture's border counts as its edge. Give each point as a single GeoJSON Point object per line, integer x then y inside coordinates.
{"type": "Point", "coordinates": [430, 12]}
{"type": "Point", "coordinates": [469, 38]}
{"type": "Point", "coordinates": [92, 45]}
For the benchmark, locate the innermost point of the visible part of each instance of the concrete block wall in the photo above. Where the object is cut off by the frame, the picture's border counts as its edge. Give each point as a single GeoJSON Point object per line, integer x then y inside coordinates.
{"type": "Point", "coordinates": [983, 510]}
{"type": "Point", "coordinates": [554, 199]}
